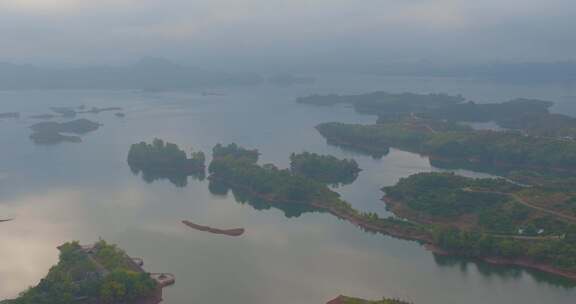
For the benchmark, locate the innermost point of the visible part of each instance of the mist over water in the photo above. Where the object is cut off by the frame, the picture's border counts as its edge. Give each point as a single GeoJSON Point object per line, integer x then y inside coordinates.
{"type": "Point", "coordinates": [86, 190]}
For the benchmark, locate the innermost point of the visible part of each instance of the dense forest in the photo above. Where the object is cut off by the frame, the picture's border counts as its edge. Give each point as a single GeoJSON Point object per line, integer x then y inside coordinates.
{"type": "Point", "coordinates": [485, 217]}
{"type": "Point", "coordinates": [324, 168]}
{"type": "Point", "coordinates": [486, 204]}
{"type": "Point", "coordinates": [161, 159]}
{"type": "Point", "coordinates": [267, 184]}
{"type": "Point", "coordinates": [560, 253]}
{"type": "Point", "coordinates": [105, 275]}
{"type": "Point", "coordinates": [531, 116]}
{"type": "Point", "coordinates": [509, 150]}
{"type": "Point", "coordinates": [238, 166]}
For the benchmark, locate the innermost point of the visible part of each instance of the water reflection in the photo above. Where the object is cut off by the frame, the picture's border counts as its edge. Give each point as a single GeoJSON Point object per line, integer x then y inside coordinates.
{"type": "Point", "coordinates": [488, 270]}
{"type": "Point", "coordinates": [290, 210]}
{"type": "Point", "coordinates": [29, 242]}
{"type": "Point", "coordinates": [177, 178]}
{"type": "Point", "coordinates": [305, 259]}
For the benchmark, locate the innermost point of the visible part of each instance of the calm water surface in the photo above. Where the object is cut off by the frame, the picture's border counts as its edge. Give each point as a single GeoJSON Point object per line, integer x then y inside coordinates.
{"type": "Point", "coordinates": [86, 191]}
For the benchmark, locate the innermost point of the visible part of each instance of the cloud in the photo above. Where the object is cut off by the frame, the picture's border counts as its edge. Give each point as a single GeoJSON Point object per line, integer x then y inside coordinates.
{"type": "Point", "coordinates": [109, 29]}
{"type": "Point", "coordinates": [57, 6]}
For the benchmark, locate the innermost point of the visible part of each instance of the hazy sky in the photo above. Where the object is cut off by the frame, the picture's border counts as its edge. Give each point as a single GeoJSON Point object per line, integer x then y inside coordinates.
{"type": "Point", "coordinates": [287, 31]}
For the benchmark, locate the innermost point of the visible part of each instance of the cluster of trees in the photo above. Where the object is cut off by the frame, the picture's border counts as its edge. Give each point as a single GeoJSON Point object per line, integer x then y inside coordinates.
{"type": "Point", "coordinates": [495, 149]}
{"type": "Point", "coordinates": [238, 166]}
{"type": "Point", "coordinates": [164, 156]}
{"type": "Point", "coordinates": [529, 115]}
{"type": "Point", "coordinates": [560, 253]}
{"type": "Point", "coordinates": [164, 160]}
{"type": "Point", "coordinates": [76, 278]}
{"type": "Point", "coordinates": [324, 168]}
{"type": "Point", "coordinates": [486, 204]}
{"type": "Point", "coordinates": [51, 132]}
{"type": "Point", "coordinates": [386, 104]}
{"type": "Point", "coordinates": [234, 151]}
{"type": "Point", "coordinates": [447, 194]}
{"type": "Point", "coordinates": [266, 185]}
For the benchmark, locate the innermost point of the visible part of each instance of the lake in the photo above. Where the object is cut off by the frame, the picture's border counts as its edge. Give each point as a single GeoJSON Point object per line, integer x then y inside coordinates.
{"type": "Point", "coordinates": [85, 191]}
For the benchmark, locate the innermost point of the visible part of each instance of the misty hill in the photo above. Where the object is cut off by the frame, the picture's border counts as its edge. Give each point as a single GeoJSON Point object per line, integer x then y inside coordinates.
{"type": "Point", "coordinates": [527, 72]}
{"type": "Point", "coordinates": [147, 74]}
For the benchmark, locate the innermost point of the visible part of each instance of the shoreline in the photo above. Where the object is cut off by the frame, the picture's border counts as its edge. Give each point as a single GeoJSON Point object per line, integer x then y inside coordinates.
{"type": "Point", "coordinates": [494, 260]}
{"type": "Point", "coordinates": [356, 221]}
{"type": "Point", "coordinates": [424, 239]}
{"type": "Point", "coordinates": [371, 150]}
{"type": "Point", "coordinates": [520, 262]}
{"type": "Point", "coordinates": [228, 232]}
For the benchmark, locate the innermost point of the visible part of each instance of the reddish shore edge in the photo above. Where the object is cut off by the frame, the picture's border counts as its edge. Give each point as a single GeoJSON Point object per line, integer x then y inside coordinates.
{"type": "Point", "coordinates": [426, 240]}
{"type": "Point", "coordinates": [521, 262]}
{"type": "Point", "coordinates": [229, 232]}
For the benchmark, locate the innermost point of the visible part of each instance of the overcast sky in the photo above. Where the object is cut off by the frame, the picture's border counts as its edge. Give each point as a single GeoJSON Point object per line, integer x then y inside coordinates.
{"type": "Point", "coordinates": [289, 31]}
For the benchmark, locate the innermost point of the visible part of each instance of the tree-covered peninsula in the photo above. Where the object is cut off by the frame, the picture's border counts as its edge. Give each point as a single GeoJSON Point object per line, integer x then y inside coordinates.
{"type": "Point", "coordinates": [491, 219]}
{"type": "Point", "coordinates": [531, 116]}
{"type": "Point", "coordinates": [324, 168]}
{"type": "Point", "coordinates": [161, 159]}
{"type": "Point", "coordinates": [236, 168]}
{"type": "Point", "coordinates": [489, 150]}
{"type": "Point", "coordinates": [101, 273]}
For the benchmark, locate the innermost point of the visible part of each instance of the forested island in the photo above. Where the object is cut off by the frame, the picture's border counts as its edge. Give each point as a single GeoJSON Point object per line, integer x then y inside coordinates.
{"type": "Point", "coordinates": [531, 116]}
{"type": "Point", "coordinates": [51, 132]}
{"type": "Point", "coordinates": [98, 273]}
{"type": "Point", "coordinates": [236, 168]}
{"type": "Point", "coordinates": [490, 219]}
{"type": "Point", "coordinates": [161, 159]}
{"type": "Point", "coordinates": [324, 168]}
{"type": "Point", "coordinates": [510, 153]}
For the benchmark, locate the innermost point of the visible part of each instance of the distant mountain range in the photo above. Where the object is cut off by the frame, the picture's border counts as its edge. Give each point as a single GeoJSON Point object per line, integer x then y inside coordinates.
{"type": "Point", "coordinates": [530, 72]}
{"type": "Point", "coordinates": [146, 74]}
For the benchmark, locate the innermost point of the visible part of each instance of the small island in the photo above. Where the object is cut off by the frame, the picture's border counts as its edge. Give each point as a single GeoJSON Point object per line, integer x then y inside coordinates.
{"type": "Point", "coordinates": [228, 232]}
{"type": "Point", "coordinates": [51, 132]}
{"type": "Point", "coordinates": [161, 159]}
{"type": "Point", "coordinates": [98, 273]}
{"type": "Point", "coordinates": [96, 110]}
{"type": "Point", "coordinates": [78, 126]}
{"type": "Point", "coordinates": [9, 115]}
{"type": "Point", "coordinates": [324, 168]}
{"type": "Point", "coordinates": [349, 300]}
{"type": "Point", "coordinates": [73, 111]}
{"type": "Point", "coordinates": [43, 116]}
